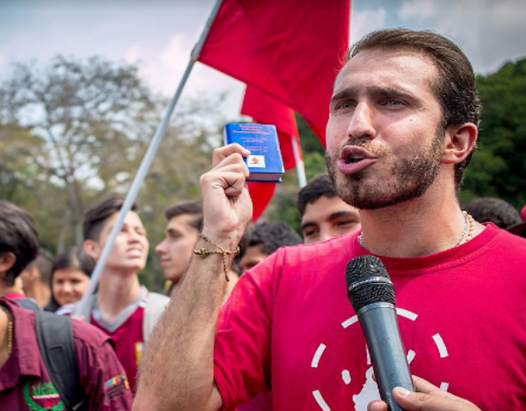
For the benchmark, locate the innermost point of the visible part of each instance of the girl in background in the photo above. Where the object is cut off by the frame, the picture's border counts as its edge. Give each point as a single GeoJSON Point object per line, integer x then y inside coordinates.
{"type": "Point", "coordinates": [70, 277]}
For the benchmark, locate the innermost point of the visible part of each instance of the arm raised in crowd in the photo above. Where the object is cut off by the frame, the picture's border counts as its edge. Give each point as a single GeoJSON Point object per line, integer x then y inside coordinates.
{"type": "Point", "coordinates": [177, 368]}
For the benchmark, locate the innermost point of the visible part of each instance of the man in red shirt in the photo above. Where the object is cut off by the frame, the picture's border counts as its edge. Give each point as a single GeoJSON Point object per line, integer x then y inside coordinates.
{"type": "Point", "coordinates": [403, 125]}
{"type": "Point", "coordinates": [122, 308]}
{"type": "Point", "coordinates": [25, 383]}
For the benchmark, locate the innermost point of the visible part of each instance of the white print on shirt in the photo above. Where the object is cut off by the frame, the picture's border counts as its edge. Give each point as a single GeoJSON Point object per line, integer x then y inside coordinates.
{"type": "Point", "coordinates": [370, 391]}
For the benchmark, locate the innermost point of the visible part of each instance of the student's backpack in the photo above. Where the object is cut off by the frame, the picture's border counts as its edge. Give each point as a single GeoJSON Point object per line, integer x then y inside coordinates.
{"type": "Point", "coordinates": [55, 340]}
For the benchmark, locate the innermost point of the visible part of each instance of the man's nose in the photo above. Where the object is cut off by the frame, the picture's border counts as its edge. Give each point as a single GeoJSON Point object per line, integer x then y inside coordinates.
{"type": "Point", "coordinates": [325, 234]}
{"type": "Point", "coordinates": [160, 249]}
{"type": "Point", "coordinates": [361, 123]}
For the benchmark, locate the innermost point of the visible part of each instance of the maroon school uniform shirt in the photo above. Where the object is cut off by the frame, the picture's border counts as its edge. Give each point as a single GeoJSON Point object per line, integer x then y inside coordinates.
{"type": "Point", "coordinates": [25, 384]}
{"type": "Point", "coordinates": [126, 331]}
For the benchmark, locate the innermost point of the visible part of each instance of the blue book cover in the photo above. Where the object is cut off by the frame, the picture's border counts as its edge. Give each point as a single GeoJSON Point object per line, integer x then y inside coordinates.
{"type": "Point", "coordinates": [264, 163]}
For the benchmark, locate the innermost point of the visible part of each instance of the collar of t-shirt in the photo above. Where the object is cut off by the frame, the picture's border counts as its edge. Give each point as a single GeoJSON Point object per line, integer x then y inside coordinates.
{"type": "Point", "coordinates": [124, 315]}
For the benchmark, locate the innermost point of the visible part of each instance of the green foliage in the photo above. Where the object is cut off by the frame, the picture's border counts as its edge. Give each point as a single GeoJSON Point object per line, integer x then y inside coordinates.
{"type": "Point", "coordinates": [499, 166]}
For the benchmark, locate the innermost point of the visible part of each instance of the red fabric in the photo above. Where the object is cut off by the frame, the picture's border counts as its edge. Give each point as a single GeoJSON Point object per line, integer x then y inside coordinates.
{"type": "Point", "coordinates": [289, 49]}
{"type": "Point", "coordinates": [15, 296]}
{"type": "Point", "coordinates": [261, 194]}
{"type": "Point", "coordinates": [288, 54]}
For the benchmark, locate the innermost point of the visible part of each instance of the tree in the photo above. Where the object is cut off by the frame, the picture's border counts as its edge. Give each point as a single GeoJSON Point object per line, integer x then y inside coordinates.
{"type": "Point", "coordinates": [86, 115]}
{"type": "Point", "coordinates": [499, 168]}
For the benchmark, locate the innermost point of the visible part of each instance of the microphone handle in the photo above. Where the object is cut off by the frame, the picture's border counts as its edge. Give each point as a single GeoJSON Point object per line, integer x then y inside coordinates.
{"type": "Point", "coordinates": [379, 323]}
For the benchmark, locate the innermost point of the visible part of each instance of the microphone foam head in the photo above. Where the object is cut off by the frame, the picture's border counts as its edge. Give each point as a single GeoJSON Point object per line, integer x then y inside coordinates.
{"type": "Point", "coordinates": [368, 282]}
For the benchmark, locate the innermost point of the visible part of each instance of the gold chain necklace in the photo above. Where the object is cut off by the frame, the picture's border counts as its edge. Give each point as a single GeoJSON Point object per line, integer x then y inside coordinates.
{"type": "Point", "coordinates": [468, 228]}
{"type": "Point", "coordinates": [9, 331]}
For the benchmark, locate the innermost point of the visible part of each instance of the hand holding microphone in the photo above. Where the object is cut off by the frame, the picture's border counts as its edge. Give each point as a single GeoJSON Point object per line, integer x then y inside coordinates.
{"type": "Point", "coordinates": [427, 398]}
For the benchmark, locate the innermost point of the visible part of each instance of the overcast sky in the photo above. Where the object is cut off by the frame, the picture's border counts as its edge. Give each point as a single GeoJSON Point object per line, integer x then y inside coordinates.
{"type": "Point", "coordinates": [159, 34]}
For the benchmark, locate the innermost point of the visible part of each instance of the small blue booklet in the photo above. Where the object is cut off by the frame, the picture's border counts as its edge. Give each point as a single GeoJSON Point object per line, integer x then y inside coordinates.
{"type": "Point", "coordinates": [264, 162]}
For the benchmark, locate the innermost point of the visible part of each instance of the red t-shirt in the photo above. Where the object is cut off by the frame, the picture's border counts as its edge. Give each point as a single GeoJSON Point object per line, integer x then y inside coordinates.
{"type": "Point", "coordinates": [462, 313]}
{"type": "Point", "coordinates": [25, 384]}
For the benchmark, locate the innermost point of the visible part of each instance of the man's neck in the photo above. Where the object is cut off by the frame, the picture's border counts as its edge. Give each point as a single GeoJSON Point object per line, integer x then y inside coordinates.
{"type": "Point", "coordinates": [415, 228]}
{"type": "Point", "coordinates": [116, 292]}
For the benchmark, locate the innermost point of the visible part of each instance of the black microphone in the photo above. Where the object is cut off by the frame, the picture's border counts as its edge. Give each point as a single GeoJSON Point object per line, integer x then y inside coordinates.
{"type": "Point", "coordinates": [372, 296]}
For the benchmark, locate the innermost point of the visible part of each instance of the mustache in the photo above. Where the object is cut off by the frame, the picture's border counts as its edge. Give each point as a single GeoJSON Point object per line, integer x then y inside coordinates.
{"type": "Point", "coordinates": [373, 148]}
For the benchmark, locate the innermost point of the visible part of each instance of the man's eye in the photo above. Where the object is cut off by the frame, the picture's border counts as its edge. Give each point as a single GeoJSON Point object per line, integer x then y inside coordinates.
{"type": "Point", "coordinates": [393, 102]}
{"type": "Point", "coordinates": [343, 105]}
{"type": "Point", "coordinates": [345, 222]}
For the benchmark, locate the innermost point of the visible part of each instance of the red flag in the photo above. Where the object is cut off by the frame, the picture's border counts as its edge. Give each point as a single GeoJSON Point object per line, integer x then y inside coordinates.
{"type": "Point", "coordinates": [261, 194]}
{"type": "Point", "coordinates": [289, 49]}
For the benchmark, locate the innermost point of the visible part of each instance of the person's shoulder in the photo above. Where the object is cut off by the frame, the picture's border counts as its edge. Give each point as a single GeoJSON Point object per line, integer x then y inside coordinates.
{"type": "Point", "coordinates": [88, 334]}
{"type": "Point", "coordinates": [313, 250]}
{"type": "Point", "coordinates": [65, 309]}
{"type": "Point", "coordinates": [158, 297]}
{"type": "Point", "coordinates": [508, 239]}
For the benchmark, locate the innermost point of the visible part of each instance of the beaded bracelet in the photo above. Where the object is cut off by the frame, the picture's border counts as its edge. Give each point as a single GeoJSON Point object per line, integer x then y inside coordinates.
{"type": "Point", "coordinates": [203, 252]}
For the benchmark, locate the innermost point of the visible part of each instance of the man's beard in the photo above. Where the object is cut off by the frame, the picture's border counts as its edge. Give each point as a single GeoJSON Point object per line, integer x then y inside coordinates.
{"type": "Point", "coordinates": [411, 177]}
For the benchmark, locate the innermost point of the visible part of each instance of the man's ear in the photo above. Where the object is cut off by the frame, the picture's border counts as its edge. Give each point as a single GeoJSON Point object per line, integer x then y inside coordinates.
{"type": "Point", "coordinates": [92, 248]}
{"type": "Point", "coordinates": [459, 142]}
{"type": "Point", "coordinates": [7, 260]}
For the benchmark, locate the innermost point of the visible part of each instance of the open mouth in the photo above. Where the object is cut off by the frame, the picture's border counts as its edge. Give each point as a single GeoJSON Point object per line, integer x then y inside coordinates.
{"type": "Point", "coordinates": [352, 159]}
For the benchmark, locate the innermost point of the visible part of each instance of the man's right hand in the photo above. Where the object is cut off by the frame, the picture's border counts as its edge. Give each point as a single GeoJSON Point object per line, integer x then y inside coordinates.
{"type": "Point", "coordinates": [426, 398]}
{"type": "Point", "coordinates": [227, 207]}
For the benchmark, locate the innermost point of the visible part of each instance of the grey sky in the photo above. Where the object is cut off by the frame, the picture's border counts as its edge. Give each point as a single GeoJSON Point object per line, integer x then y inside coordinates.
{"type": "Point", "coordinates": [159, 34]}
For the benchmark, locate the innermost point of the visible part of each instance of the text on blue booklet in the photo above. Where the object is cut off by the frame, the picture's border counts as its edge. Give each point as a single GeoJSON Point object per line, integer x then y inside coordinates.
{"type": "Point", "coordinates": [264, 162]}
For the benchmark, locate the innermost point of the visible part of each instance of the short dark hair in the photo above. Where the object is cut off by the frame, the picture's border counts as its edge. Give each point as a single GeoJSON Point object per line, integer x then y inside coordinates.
{"type": "Point", "coordinates": [44, 263]}
{"type": "Point", "coordinates": [318, 186]}
{"type": "Point", "coordinates": [18, 235]}
{"type": "Point", "coordinates": [493, 210]}
{"type": "Point", "coordinates": [188, 207]}
{"type": "Point", "coordinates": [95, 217]}
{"type": "Point", "coordinates": [455, 87]}
{"type": "Point", "coordinates": [271, 236]}
{"type": "Point", "coordinates": [75, 257]}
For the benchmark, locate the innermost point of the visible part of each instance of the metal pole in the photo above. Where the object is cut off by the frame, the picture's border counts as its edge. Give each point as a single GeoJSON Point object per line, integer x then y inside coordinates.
{"type": "Point", "coordinates": [300, 166]}
{"type": "Point", "coordinates": [82, 307]}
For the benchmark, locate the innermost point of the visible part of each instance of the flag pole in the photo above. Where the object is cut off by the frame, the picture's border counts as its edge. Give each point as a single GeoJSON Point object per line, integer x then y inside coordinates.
{"type": "Point", "coordinates": [82, 308]}
{"type": "Point", "coordinates": [300, 165]}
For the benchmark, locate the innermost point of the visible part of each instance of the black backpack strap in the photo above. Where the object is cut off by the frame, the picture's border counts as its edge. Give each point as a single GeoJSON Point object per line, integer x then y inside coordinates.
{"type": "Point", "coordinates": [28, 304]}
{"type": "Point", "coordinates": [55, 340]}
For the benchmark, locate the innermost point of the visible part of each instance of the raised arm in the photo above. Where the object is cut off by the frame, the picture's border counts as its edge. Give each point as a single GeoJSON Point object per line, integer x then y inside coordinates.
{"type": "Point", "coordinates": [176, 370]}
